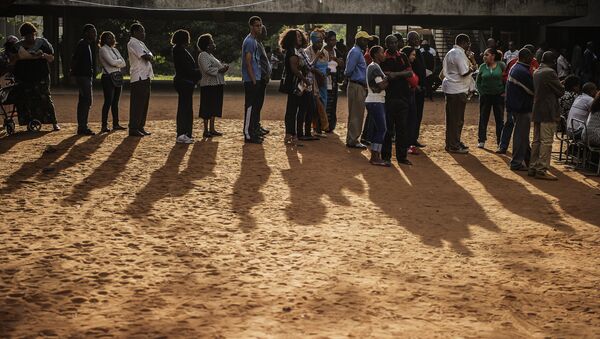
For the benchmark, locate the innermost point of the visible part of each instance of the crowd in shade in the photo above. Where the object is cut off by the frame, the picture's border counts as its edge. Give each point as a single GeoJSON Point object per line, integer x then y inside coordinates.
{"type": "Point", "coordinates": [386, 81]}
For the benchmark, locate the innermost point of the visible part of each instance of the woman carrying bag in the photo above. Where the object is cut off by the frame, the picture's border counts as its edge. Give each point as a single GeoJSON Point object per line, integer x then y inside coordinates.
{"type": "Point", "coordinates": [112, 80]}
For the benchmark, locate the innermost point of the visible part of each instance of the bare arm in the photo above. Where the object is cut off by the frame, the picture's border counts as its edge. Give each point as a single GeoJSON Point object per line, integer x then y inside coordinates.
{"type": "Point", "coordinates": [248, 65]}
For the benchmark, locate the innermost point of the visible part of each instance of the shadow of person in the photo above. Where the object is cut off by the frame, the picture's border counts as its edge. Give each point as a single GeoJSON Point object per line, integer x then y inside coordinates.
{"type": "Point", "coordinates": [11, 141]}
{"type": "Point", "coordinates": [29, 169]}
{"type": "Point", "coordinates": [427, 202]}
{"type": "Point", "coordinates": [310, 178]}
{"type": "Point", "coordinates": [254, 174]}
{"type": "Point", "coordinates": [77, 154]}
{"type": "Point", "coordinates": [168, 181]}
{"type": "Point", "coordinates": [576, 198]}
{"type": "Point", "coordinates": [513, 195]}
{"type": "Point", "coordinates": [105, 174]}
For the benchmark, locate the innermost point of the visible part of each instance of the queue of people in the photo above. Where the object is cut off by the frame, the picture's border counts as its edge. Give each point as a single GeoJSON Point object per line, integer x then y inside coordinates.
{"type": "Point", "coordinates": [389, 83]}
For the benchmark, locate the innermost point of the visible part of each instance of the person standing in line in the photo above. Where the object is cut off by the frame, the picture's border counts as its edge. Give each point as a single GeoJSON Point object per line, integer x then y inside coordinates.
{"type": "Point", "coordinates": [140, 59]}
{"type": "Point", "coordinates": [491, 95]}
{"type": "Point", "coordinates": [375, 102]}
{"type": "Point", "coordinates": [456, 85]}
{"type": "Point", "coordinates": [336, 62]}
{"type": "Point", "coordinates": [413, 85]}
{"type": "Point", "coordinates": [563, 67]}
{"type": "Point", "coordinates": [187, 75]}
{"type": "Point", "coordinates": [83, 68]}
{"type": "Point", "coordinates": [509, 124]}
{"type": "Point", "coordinates": [112, 65]}
{"type": "Point", "coordinates": [356, 72]}
{"type": "Point", "coordinates": [212, 84]}
{"type": "Point", "coordinates": [308, 107]}
{"type": "Point", "coordinates": [294, 75]}
{"type": "Point", "coordinates": [251, 75]}
{"type": "Point", "coordinates": [319, 59]}
{"type": "Point", "coordinates": [430, 58]}
{"type": "Point", "coordinates": [418, 67]}
{"type": "Point", "coordinates": [519, 105]}
{"type": "Point", "coordinates": [511, 53]}
{"type": "Point", "coordinates": [32, 69]}
{"type": "Point", "coordinates": [265, 70]}
{"type": "Point", "coordinates": [546, 115]}
{"type": "Point", "coordinates": [396, 67]}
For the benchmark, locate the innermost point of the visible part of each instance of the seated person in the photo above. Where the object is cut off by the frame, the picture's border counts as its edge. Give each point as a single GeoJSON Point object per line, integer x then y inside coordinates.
{"type": "Point", "coordinates": [572, 90]}
{"type": "Point", "coordinates": [592, 133]}
{"type": "Point", "coordinates": [581, 109]}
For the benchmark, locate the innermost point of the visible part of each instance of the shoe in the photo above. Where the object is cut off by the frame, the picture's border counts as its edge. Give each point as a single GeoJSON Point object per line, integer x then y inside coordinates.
{"type": "Point", "coordinates": [365, 142]}
{"type": "Point", "coordinates": [253, 141]}
{"type": "Point", "coordinates": [207, 135]}
{"type": "Point", "coordinates": [380, 163]}
{"type": "Point", "coordinates": [135, 133]}
{"type": "Point", "coordinates": [520, 169]}
{"type": "Point", "coordinates": [463, 145]}
{"type": "Point", "coordinates": [184, 139]}
{"type": "Point", "coordinates": [216, 134]}
{"type": "Point", "coordinates": [118, 128]}
{"type": "Point", "coordinates": [420, 145]}
{"type": "Point", "coordinates": [86, 131]}
{"type": "Point", "coordinates": [104, 130]}
{"type": "Point", "coordinates": [481, 145]}
{"type": "Point", "coordinates": [531, 172]}
{"type": "Point", "coordinates": [264, 130]}
{"type": "Point", "coordinates": [404, 162]}
{"type": "Point", "coordinates": [500, 151]}
{"type": "Point", "coordinates": [144, 132]}
{"type": "Point", "coordinates": [413, 150]}
{"type": "Point", "coordinates": [545, 176]}
{"type": "Point", "coordinates": [308, 138]}
{"type": "Point", "coordinates": [55, 127]}
{"type": "Point", "coordinates": [457, 150]}
{"type": "Point", "coordinates": [359, 145]}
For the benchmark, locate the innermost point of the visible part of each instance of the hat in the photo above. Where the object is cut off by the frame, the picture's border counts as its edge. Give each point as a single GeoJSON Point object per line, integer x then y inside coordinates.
{"type": "Point", "coordinates": [362, 34]}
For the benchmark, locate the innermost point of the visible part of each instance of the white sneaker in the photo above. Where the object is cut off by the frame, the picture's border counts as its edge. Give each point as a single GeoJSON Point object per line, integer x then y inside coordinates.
{"type": "Point", "coordinates": [184, 139]}
{"type": "Point", "coordinates": [481, 145]}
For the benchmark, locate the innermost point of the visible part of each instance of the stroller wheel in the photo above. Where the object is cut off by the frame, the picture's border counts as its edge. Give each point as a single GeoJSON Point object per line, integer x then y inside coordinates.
{"type": "Point", "coordinates": [9, 125]}
{"type": "Point", "coordinates": [34, 125]}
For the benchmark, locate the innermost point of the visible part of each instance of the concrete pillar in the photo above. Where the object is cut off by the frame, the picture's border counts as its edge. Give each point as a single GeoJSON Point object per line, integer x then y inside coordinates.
{"type": "Point", "coordinates": [51, 34]}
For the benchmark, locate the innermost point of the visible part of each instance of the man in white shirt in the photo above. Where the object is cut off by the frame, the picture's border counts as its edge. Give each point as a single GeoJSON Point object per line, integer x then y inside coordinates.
{"type": "Point", "coordinates": [563, 67]}
{"type": "Point", "coordinates": [456, 85]}
{"type": "Point", "coordinates": [141, 72]}
{"type": "Point", "coordinates": [581, 109]}
{"type": "Point", "coordinates": [511, 53]}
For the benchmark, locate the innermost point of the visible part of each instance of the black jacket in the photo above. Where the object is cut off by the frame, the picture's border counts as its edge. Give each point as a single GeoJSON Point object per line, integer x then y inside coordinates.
{"type": "Point", "coordinates": [186, 68]}
{"type": "Point", "coordinates": [82, 64]}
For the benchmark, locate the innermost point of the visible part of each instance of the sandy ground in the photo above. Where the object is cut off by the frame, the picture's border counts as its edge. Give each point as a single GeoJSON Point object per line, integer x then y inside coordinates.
{"type": "Point", "coordinates": [111, 236]}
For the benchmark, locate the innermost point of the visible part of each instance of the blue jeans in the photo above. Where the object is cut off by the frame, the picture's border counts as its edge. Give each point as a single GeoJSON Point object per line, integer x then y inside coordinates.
{"type": "Point", "coordinates": [377, 112]}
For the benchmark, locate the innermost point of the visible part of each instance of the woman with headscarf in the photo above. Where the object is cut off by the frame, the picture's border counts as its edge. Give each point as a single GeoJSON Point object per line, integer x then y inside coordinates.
{"type": "Point", "coordinates": [335, 63]}
{"type": "Point", "coordinates": [319, 58]}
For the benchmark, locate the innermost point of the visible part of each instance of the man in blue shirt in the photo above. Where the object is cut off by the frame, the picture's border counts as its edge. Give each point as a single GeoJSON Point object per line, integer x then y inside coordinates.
{"type": "Point", "coordinates": [356, 72]}
{"type": "Point", "coordinates": [251, 75]}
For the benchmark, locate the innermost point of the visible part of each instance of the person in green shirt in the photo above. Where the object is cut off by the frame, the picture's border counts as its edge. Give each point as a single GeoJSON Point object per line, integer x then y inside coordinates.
{"type": "Point", "coordinates": [491, 95]}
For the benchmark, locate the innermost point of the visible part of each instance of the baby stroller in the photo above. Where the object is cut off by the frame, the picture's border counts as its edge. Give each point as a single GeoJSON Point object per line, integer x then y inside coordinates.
{"type": "Point", "coordinates": [11, 102]}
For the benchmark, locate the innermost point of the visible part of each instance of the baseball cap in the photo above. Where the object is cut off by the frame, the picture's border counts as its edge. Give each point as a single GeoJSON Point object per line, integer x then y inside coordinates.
{"type": "Point", "coordinates": [363, 34]}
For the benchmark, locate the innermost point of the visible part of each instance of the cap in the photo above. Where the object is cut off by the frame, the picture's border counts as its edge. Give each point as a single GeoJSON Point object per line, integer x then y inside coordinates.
{"type": "Point", "coordinates": [362, 34]}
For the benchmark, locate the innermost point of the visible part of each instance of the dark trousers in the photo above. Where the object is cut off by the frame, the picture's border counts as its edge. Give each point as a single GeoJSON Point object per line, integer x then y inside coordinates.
{"type": "Point", "coordinates": [412, 120]}
{"type": "Point", "coordinates": [262, 91]}
{"type": "Point", "coordinates": [251, 109]}
{"type": "Point", "coordinates": [305, 114]}
{"type": "Point", "coordinates": [419, 106]}
{"type": "Point", "coordinates": [291, 113]}
{"type": "Point", "coordinates": [521, 151]}
{"type": "Point", "coordinates": [112, 95]}
{"type": "Point", "coordinates": [486, 104]}
{"type": "Point", "coordinates": [507, 131]}
{"type": "Point", "coordinates": [185, 107]}
{"type": "Point", "coordinates": [455, 119]}
{"type": "Point", "coordinates": [138, 104]}
{"type": "Point", "coordinates": [84, 84]}
{"type": "Point", "coordinates": [396, 111]}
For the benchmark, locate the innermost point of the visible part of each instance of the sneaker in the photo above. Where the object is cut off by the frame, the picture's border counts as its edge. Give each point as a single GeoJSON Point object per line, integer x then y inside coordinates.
{"type": "Point", "coordinates": [481, 145]}
{"type": "Point", "coordinates": [457, 150]}
{"type": "Point", "coordinates": [500, 151]}
{"type": "Point", "coordinates": [420, 145]}
{"type": "Point", "coordinates": [545, 176]}
{"type": "Point", "coordinates": [413, 150]}
{"type": "Point", "coordinates": [55, 127]}
{"type": "Point", "coordinates": [463, 145]}
{"type": "Point", "coordinates": [359, 145]}
{"type": "Point", "coordinates": [184, 139]}
{"type": "Point", "coordinates": [404, 162]}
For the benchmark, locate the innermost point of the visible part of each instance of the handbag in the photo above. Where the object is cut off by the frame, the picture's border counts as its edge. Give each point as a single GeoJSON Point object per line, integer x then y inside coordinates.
{"type": "Point", "coordinates": [116, 77]}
